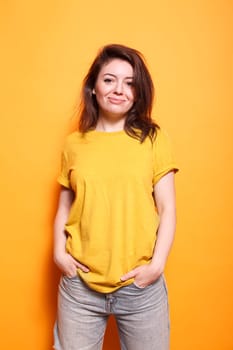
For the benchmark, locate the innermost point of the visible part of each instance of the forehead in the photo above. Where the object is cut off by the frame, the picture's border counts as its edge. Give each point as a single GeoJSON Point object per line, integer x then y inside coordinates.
{"type": "Point", "coordinates": [117, 67]}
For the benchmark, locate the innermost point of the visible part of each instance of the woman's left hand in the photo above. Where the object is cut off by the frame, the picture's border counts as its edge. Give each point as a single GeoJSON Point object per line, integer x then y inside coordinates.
{"type": "Point", "coordinates": [143, 275]}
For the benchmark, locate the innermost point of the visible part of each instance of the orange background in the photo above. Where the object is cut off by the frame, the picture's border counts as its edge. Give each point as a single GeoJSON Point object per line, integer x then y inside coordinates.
{"type": "Point", "coordinates": [47, 47]}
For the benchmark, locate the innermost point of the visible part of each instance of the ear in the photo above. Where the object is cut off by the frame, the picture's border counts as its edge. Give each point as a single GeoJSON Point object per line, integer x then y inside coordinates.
{"type": "Point", "coordinates": [93, 92]}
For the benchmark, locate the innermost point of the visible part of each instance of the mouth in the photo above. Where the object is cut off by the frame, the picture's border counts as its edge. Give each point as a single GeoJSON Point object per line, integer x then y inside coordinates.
{"type": "Point", "coordinates": [115, 100]}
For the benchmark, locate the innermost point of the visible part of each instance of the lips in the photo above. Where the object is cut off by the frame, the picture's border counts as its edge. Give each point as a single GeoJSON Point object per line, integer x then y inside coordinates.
{"type": "Point", "coordinates": [116, 101]}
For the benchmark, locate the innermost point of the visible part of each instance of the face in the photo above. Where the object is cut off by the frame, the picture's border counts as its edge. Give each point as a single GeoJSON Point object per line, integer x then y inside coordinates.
{"type": "Point", "coordinates": [114, 89]}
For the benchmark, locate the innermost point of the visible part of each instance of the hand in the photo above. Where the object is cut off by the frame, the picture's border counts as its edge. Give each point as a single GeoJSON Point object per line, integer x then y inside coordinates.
{"type": "Point", "coordinates": [143, 275]}
{"type": "Point", "coordinates": [68, 265]}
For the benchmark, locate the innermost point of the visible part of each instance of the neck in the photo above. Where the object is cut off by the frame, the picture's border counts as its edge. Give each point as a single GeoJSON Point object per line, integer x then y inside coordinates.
{"type": "Point", "coordinates": [108, 126]}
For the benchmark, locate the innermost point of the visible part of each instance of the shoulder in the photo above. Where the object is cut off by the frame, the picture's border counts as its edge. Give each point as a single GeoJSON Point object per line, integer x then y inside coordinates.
{"type": "Point", "coordinates": [161, 138]}
{"type": "Point", "coordinates": [72, 139]}
{"type": "Point", "coordinates": [162, 145]}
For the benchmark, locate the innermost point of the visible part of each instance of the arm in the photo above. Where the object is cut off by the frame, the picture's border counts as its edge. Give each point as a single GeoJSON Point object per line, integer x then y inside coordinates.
{"type": "Point", "coordinates": [65, 262]}
{"type": "Point", "coordinates": [164, 193]}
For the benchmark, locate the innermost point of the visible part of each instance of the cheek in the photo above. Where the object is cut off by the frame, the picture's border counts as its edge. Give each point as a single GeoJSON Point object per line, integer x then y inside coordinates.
{"type": "Point", "coordinates": [101, 92]}
{"type": "Point", "coordinates": [132, 94]}
{"type": "Point", "coordinates": [100, 98]}
{"type": "Point", "coordinates": [132, 97]}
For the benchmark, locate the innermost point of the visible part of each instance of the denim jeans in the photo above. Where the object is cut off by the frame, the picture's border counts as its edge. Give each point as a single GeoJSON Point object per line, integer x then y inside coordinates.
{"type": "Point", "coordinates": [141, 314]}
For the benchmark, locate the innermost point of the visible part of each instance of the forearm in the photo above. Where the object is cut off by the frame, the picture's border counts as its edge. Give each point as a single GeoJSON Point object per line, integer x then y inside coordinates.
{"type": "Point", "coordinates": [59, 235]}
{"type": "Point", "coordinates": [165, 237]}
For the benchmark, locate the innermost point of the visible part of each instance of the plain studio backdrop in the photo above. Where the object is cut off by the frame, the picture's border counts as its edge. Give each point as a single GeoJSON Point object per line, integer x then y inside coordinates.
{"type": "Point", "coordinates": [46, 49]}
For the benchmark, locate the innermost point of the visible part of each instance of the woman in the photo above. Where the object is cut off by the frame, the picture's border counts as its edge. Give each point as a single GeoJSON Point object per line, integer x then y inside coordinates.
{"type": "Point", "coordinates": [115, 221]}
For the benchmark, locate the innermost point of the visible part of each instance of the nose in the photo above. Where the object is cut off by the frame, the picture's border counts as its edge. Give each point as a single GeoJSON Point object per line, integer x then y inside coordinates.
{"type": "Point", "coordinates": [119, 88]}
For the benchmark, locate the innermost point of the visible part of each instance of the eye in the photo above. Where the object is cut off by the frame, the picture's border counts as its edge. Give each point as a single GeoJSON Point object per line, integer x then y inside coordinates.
{"type": "Point", "coordinates": [130, 83]}
{"type": "Point", "coordinates": [108, 80]}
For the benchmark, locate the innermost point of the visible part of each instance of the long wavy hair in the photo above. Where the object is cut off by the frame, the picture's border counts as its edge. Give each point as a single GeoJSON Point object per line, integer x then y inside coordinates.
{"type": "Point", "coordinates": [138, 122]}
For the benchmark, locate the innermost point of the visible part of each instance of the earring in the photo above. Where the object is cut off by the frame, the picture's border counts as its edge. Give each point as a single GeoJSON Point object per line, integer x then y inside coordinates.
{"type": "Point", "coordinates": [93, 92]}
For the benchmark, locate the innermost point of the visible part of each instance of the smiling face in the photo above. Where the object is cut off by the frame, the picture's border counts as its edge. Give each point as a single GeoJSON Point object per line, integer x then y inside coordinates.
{"type": "Point", "coordinates": [114, 90]}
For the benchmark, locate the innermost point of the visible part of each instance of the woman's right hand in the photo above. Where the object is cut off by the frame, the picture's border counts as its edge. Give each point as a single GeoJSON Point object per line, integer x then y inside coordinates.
{"type": "Point", "coordinates": [65, 262]}
{"type": "Point", "coordinates": [68, 265]}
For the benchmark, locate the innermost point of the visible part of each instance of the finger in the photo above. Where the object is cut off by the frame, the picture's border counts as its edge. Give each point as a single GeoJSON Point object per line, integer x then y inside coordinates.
{"type": "Point", "coordinates": [70, 273]}
{"type": "Point", "coordinates": [128, 275]}
{"type": "Point", "coordinates": [82, 267]}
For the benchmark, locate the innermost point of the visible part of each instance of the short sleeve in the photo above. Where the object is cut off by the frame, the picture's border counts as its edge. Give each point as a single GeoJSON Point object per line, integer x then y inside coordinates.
{"type": "Point", "coordinates": [163, 159]}
{"type": "Point", "coordinates": [63, 178]}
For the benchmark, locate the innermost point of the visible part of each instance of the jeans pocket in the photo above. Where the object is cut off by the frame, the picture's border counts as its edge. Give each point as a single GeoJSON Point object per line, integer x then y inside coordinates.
{"type": "Point", "coordinates": [70, 278]}
{"type": "Point", "coordinates": [165, 284]}
{"type": "Point", "coordinates": [160, 280]}
{"type": "Point", "coordinates": [137, 286]}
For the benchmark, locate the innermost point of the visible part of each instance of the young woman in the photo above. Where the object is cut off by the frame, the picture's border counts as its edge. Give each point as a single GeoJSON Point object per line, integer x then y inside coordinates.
{"type": "Point", "coordinates": [115, 221]}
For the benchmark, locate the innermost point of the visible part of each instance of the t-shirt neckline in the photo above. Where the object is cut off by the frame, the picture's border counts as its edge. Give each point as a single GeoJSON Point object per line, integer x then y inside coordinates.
{"type": "Point", "coordinates": [108, 133]}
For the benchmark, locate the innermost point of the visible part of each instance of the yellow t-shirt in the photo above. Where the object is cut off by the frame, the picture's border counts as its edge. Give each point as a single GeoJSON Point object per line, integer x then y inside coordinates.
{"type": "Point", "coordinates": [113, 220]}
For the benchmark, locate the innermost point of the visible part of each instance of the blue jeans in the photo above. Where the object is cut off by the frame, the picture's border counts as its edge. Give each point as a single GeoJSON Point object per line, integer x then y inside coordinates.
{"type": "Point", "coordinates": [141, 314]}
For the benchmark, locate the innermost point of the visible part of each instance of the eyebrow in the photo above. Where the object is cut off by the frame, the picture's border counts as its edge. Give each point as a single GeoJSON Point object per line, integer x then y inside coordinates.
{"type": "Point", "coordinates": [113, 75]}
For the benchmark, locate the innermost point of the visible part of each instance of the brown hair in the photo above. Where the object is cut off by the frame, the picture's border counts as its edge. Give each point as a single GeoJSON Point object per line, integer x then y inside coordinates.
{"type": "Point", "coordinates": [138, 122]}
